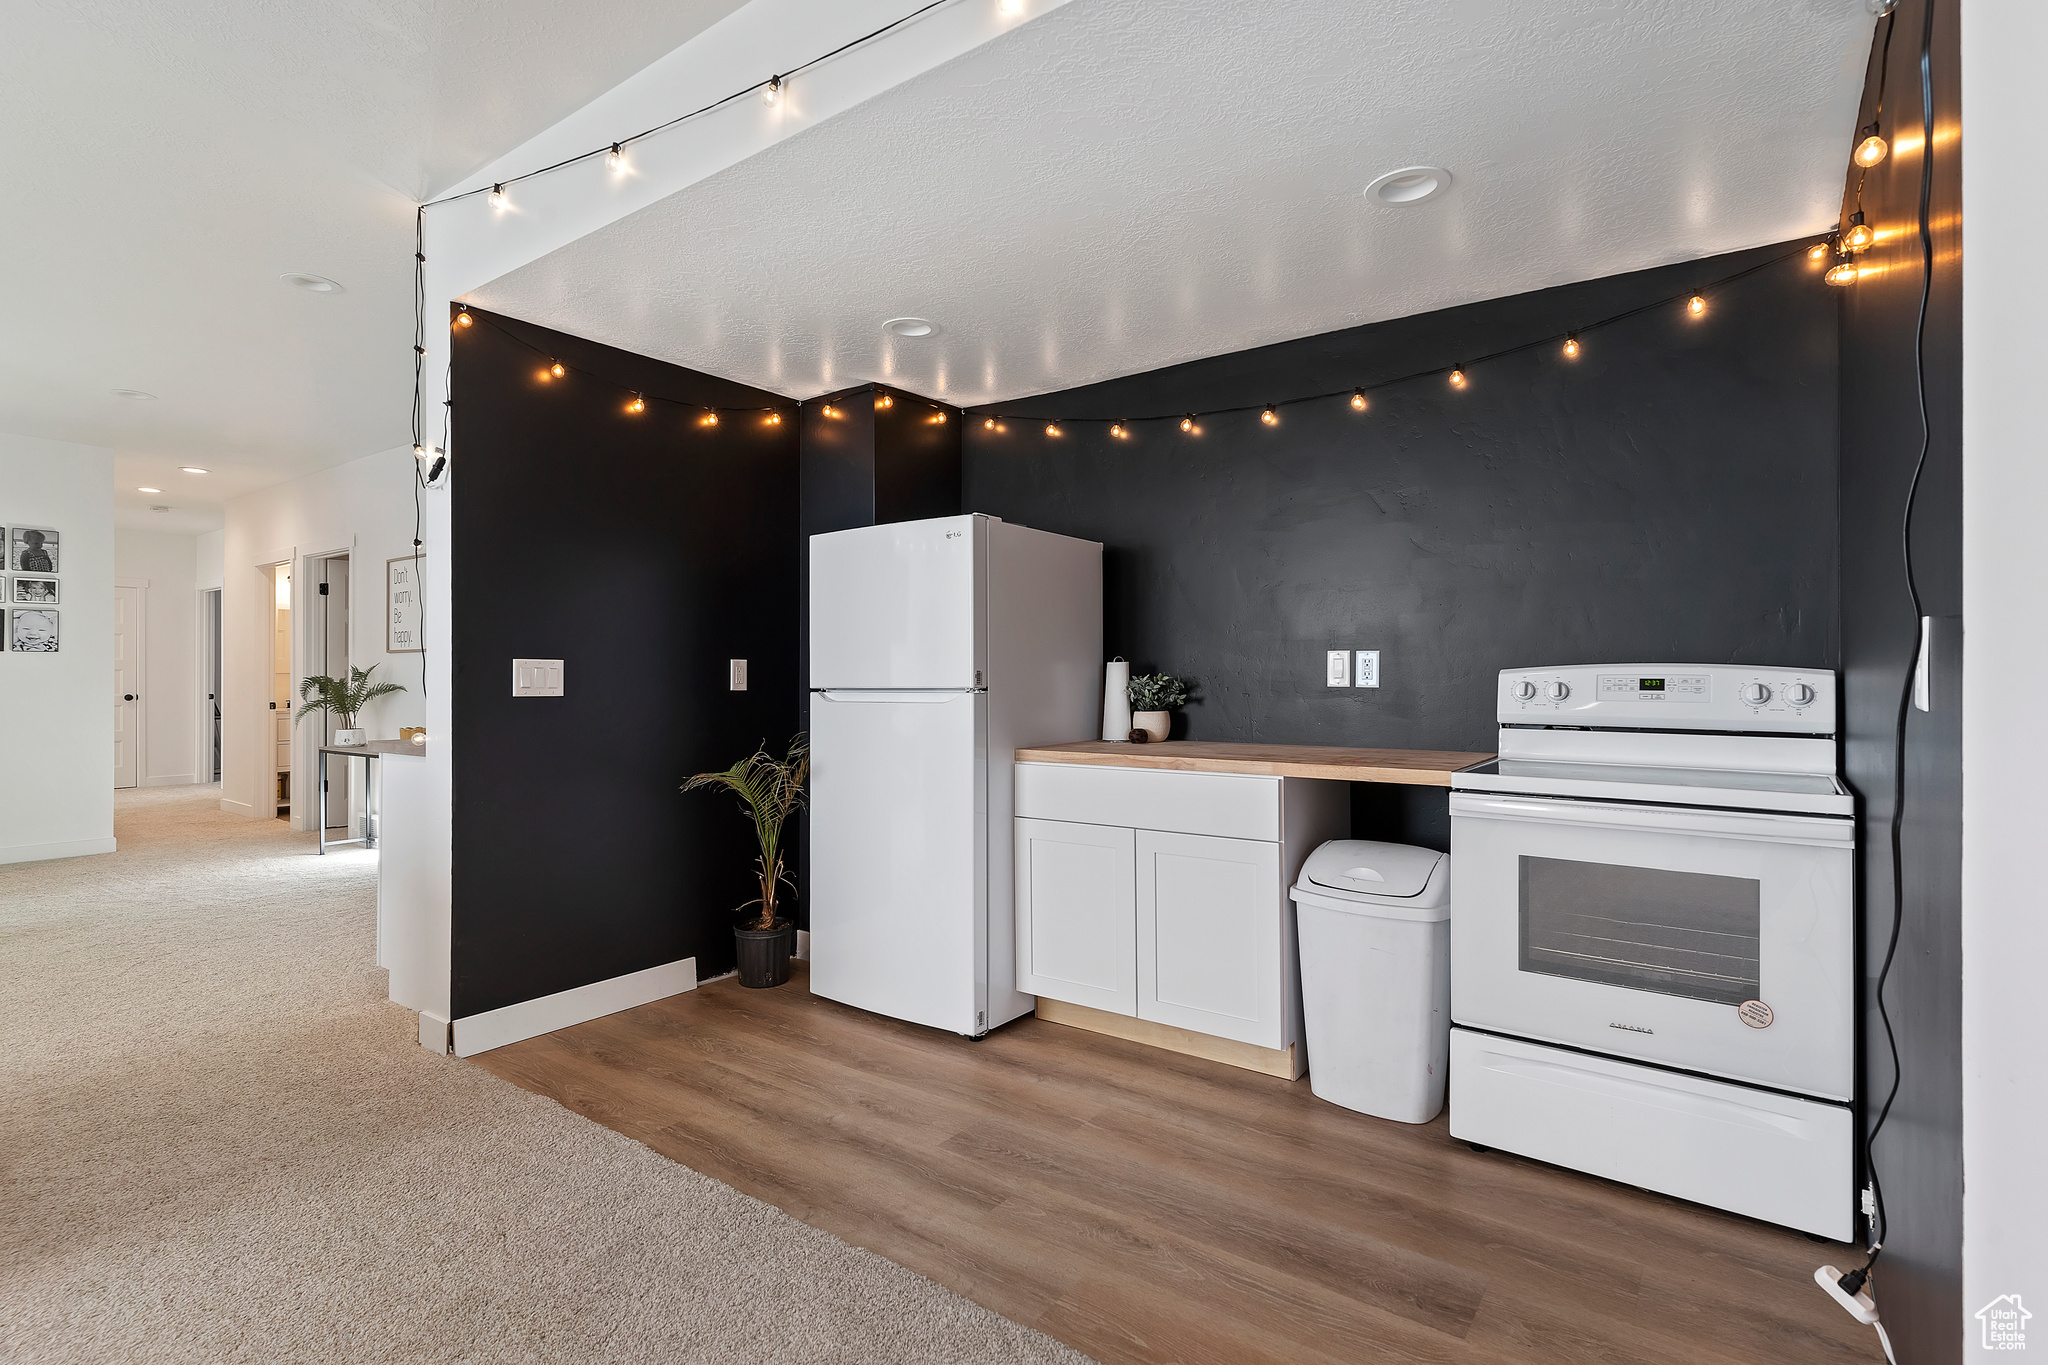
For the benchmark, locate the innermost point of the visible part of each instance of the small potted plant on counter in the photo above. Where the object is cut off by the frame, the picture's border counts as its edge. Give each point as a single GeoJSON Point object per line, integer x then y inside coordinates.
{"type": "Point", "coordinates": [1153, 697]}
{"type": "Point", "coordinates": [344, 700]}
{"type": "Point", "coordinates": [769, 789]}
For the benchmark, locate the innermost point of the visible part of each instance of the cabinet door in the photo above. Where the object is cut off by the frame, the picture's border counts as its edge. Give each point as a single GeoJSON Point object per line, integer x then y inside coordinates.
{"type": "Point", "coordinates": [1209, 935]}
{"type": "Point", "coordinates": [1077, 918]}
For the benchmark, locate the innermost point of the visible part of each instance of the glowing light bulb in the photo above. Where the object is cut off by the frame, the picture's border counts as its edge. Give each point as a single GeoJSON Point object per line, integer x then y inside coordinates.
{"type": "Point", "coordinates": [772, 91]}
{"type": "Point", "coordinates": [1269, 417]}
{"type": "Point", "coordinates": [1010, 8]}
{"type": "Point", "coordinates": [462, 317]}
{"type": "Point", "coordinates": [1358, 403]}
{"type": "Point", "coordinates": [884, 401]}
{"type": "Point", "coordinates": [615, 158]}
{"type": "Point", "coordinates": [1187, 424]}
{"type": "Point", "coordinates": [1872, 150]}
{"type": "Point", "coordinates": [1116, 429]}
{"type": "Point", "coordinates": [831, 411]}
{"type": "Point", "coordinates": [1695, 305]}
{"type": "Point", "coordinates": [774, 419]}
{"type": "Point", "coordinates": [1571, 348]}
{"type": "Point", "coordinates": [710, 419]}
{"type": "Point", "coordinates": [1816, 251]}
{"type": "Point", "coordinates": [1845, 273]}
{"type": "Point", "coordinates": [419, 452]}
{"type": "Point", "coordinates": [1859, 236]}
{"type": "Point", "coordinates": [939, 418]}
{"type": "Point", "coordinates": [988, 424]}
{"type": "Point", "coordinates": [1052, 428]}
{"type": "Point", "coordinates": [638, 404]}
{"type": "Point", "coordinates": [556, 370]}
{"type": "Point", "coordinates": [1457, 379]}
{"type": "Point", "coordinates": [497, 196]}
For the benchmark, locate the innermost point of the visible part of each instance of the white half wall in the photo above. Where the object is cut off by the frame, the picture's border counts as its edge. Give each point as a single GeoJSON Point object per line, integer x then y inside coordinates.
{"type": "Point", "coordinates": [363, 509]}
{"type": "Point", "coordinates": [56, 713]}
{"type": "Point", "coordinates": [2005, 655]}
{"type": "Point", "coordinates": [170, 650]}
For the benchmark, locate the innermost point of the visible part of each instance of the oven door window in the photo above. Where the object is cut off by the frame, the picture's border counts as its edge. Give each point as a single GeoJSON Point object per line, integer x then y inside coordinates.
{"type": "Point", "coordinates": [1689, 934]}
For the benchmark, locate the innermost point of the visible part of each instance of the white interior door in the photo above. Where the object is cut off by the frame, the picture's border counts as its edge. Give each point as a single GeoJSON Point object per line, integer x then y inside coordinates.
{"type": "Point", "coordinates": [1209, 935]}
{"type": "Point", "coordinates": [127, 685]}
{"type": "Point", "coordinates": [1077, 914]}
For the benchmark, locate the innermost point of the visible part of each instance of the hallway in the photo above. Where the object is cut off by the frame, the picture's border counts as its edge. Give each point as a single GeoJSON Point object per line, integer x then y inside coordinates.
{"type": "Point", "coordinates": [222, 1143]}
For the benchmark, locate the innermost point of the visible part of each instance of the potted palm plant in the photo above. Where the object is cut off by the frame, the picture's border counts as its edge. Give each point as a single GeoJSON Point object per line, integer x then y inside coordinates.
{"type": "Point", "coordinates": [1153, 697]}
{"type": "Point", "coordinates": [769, 789]}
{"type": "Point", "coordinates": [345, 700]}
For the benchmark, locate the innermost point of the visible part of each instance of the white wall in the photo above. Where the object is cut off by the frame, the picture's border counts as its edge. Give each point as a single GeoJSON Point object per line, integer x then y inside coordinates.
{"type": "Point", "coordinates": [364, 509]}
{"type": "Point", "coordinates": [2005, 658]}
{"type": "Point", "coordinates": [56, 713]}
{"type": "Point", "coordinates": [168, 564]}
{"type": "Point", "coordinates": [210, 550]}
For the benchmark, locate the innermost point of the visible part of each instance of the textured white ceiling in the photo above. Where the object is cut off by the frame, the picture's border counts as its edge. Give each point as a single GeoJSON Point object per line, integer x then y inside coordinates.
{"type": "Point", "coordinates": [164, 163]}
{"type": "Point", "coordinates": [1123, 184]}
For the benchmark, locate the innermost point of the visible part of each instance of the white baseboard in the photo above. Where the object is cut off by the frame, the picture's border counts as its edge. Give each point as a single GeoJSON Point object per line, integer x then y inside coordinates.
{"type": "Point", "coordinates": [239, 808]}
{"type": "Point", "coordinates": [476, 1033]}
{"type": "Point", "coordinates": [63, 848]}
{"type": "Point", "coordinates": [180, 780]}
{"type": "Point", "coordinates": [433, 1033]}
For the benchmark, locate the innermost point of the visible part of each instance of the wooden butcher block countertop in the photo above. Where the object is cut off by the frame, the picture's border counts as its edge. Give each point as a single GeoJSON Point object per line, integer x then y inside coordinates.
{"type": "Point", "coordinates": [1414, 767]}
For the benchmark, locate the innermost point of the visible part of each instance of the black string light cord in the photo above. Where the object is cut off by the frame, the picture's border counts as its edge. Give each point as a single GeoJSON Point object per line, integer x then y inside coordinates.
{"type": "Point", "coordinates": [1568, 339]}
{"type": "Point", "coordinates": [1855, 1279]}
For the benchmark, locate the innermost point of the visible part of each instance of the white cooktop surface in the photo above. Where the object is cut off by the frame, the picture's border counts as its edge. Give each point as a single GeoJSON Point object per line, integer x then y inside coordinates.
{"type": "Point", "coordinates": [1811, 793]}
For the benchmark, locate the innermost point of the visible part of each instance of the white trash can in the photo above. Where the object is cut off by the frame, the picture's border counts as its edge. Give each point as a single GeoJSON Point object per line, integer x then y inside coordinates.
{"type": "Point", "coordinates": [1375, 935]}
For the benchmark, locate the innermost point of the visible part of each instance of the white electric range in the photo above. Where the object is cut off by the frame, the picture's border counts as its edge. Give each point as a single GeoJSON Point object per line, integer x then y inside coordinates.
{"type": "Point", "coordinates": [1653, 938]}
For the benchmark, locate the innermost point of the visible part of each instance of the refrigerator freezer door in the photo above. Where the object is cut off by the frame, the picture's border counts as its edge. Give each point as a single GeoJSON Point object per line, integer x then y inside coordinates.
{"type": "Point", "coordinates": [899, 855]}
{"type": "Point", "coordinates": [896, 605]}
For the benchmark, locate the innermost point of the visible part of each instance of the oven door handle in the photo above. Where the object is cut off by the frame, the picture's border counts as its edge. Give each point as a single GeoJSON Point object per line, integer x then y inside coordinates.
{"type": "Point", "coordinates": [1820, 831]}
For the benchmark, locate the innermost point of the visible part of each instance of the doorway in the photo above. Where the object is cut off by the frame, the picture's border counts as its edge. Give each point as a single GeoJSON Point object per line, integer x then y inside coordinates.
{"type": "Point", "coordinates": [280, 675]}
{"type": "Point", "coordinates": [209, 684]}
{"type": "Point", "coordinates": [128, 640]}
{"type": "Point", "coordinates": [327, 636]}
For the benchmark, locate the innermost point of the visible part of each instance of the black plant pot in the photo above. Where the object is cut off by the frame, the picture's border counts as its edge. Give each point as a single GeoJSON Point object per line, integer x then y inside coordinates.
{"type": "Point", "coordinates": [764, 953]}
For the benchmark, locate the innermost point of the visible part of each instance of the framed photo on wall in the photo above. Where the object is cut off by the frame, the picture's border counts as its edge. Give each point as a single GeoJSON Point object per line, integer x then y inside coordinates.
{"type": "Point", "coordinates": [32, 549]}
{"type": "Point", "coordinates": [35, 631]}
{"type": "Point", "coordinates": [402, 608]}
{"type": "Point", "coordinates": [27, 591]}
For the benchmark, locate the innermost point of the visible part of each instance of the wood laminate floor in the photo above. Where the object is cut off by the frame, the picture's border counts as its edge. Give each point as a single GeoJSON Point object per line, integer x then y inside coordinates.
{"type": "Point", "coordinates": [1148, 1207]}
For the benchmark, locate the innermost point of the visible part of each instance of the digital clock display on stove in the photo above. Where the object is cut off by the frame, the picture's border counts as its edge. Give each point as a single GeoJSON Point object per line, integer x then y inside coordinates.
{"type": "Point", "coordinates": [1650, 684]}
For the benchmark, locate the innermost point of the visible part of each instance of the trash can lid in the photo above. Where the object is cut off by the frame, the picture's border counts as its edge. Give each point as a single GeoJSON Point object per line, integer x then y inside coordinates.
{"type": "Point", "coordinates": [1378, 871]}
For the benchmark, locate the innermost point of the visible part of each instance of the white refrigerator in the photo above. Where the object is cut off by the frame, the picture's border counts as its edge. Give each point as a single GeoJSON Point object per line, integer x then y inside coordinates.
{"type": "Point", "coordinates": [938, 648]}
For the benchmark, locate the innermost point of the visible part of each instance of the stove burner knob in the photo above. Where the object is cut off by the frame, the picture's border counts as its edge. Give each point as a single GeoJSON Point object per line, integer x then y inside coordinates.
{"type": "Point", "coordinates": [1559, 690]}
{"type": "Point", "coordinates": [1525, 690]}
{"type": "Point", "coordinates": [1756, 693]}
{"type": "Point", "coordinates": [1799, 694]}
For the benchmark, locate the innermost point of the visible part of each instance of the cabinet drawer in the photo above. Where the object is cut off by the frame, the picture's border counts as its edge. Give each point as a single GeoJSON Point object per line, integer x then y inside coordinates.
{"type": "Point", "coordinates": [1222, 804]}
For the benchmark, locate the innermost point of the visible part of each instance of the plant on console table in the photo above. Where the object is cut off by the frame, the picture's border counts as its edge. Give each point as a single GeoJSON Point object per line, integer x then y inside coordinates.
{"type": "Point", "coordinates": [343, 699]}
{"type": "Point", "coordinates": [770, 789]}
{"type": "Point", "coordinates": [1153, 699]}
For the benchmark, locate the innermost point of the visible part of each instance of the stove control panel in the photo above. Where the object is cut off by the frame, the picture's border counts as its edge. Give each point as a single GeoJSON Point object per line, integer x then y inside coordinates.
{"type": "Point", "coordinates": [1671, 697]}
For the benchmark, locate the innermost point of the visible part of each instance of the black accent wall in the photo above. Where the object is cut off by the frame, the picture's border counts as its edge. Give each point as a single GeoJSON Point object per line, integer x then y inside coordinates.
{"type": "Point", "coordinates": [1919, 1154]}
{"type": "Point", "coordinates": [644, 551]}
{"type": "Point", "coordinates": [1669, 496]}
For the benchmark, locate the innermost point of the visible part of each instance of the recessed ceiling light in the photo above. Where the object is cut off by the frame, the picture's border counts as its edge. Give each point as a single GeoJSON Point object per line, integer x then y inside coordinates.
{"type": "Point", "coordinates": [136, 394]}
{"type": "Point", "coordinates": [159, 507]}
{"type": "Point", "coordinates": [193, 469]}
{"type": "Point", "coordinates": [312, 284]}
{"type": "Point", "coordinates": [908, 327]}
{"type": "Point", "coordinates": [149, 490]}
{"type": "Point", "coordinates": [1409, 185]}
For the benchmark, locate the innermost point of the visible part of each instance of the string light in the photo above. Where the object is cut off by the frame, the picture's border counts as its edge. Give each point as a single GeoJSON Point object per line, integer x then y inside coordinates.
{"type": "Point", "coordinates": [1844, 273]}
{"type": "Point", "coordinates": [1571, 347]}
{"type": "Point", "coordinates": [1052, 428]}
{"type": "Point", "coordinates": [1187, 424]}
{"type": "Point", "coordinates": [883, 400]}
{"type": "Point", "coordinates": [1116, 429]}
{"type": "Point", "coordinates": [497, 196]}
{"type": "Point", "coordinates": [831, 411]}
{"type": "Point", "coordinates": [638, 404]}
{"type": "Point", "coordinates": [1859, 236]}
{"type": "Point", "coordinates": [710, 418]}
{"type": "Point", "coordinates": [1358, 402]}
{"type": "Point", "coordinates": [419, 452]}
{"type": "Point", "coordinates": [556, 370]}
{"type": "Point", "coordinates": [1457, 379]}
{"type": "Point", "coordinates": [772, 91]}
{"type": "Point", "coordinates": [1696, 305]}
{"type": "Point", "coordinates": [1816, 251]}
{"type": "Point", "coordinates": [462, 317]}
{"type": "Point", "coordinates": [988, 424]}
{"type": "Point", "coordinates": [938, 419]}
{"type": "Point", "coordinates": [774, 418]}
{"type": "Point", "coordinates": [1270, 417]}
{"type": "Point", "coordinates": [615, 158]}
{"type": "Point", "coordinates": [1872, 149]}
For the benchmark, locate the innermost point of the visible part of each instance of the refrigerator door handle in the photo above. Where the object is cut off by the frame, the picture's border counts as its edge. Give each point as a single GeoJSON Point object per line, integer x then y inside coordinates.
{"type": "Point", "coordinates": [889, 696]}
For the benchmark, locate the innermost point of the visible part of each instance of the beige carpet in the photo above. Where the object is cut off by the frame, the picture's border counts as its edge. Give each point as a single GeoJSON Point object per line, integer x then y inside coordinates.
{"type": "Point", "coordinates": [221, 1143]}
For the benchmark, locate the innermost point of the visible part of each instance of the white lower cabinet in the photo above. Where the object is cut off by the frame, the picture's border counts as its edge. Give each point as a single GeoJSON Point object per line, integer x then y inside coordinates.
{"type": "Point", "coordinates": [1210, 935]}
{"type": "Point", "coordinates": [1161, 896]}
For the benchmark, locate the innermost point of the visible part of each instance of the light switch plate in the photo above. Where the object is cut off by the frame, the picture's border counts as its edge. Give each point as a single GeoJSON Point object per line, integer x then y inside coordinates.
{"type": "Point", "coordinates": [536, 677]}
{"type": "Point", "coordinates": [1366, 673]}
{"type": "Point", "coordinates": [1340, 668]}
{"type": "Point", "coordinates": [736, 675]}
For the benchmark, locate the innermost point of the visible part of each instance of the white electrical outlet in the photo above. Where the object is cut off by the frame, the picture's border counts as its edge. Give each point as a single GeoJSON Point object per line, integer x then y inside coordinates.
{"type": "Point", "coordinates": [1340, 668]}
{"type": "Point", "coordinates": [736, 675]}
{"type": "Point", "coordinates": [536, 677]}
{"type": "Point", "coordinates": [1367, 671]}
